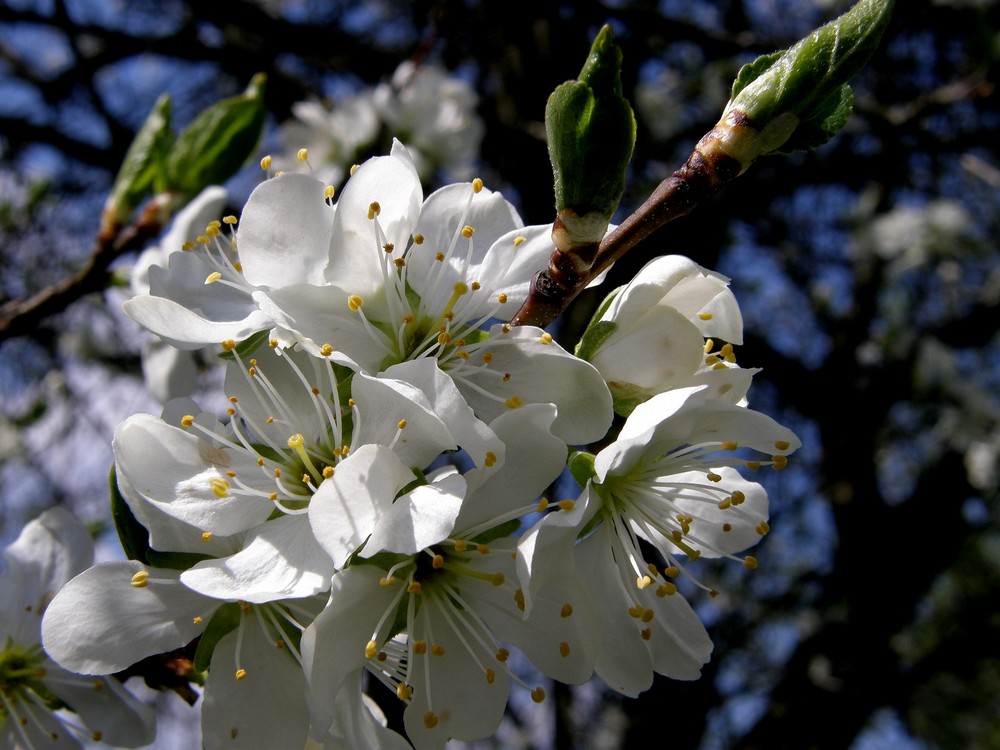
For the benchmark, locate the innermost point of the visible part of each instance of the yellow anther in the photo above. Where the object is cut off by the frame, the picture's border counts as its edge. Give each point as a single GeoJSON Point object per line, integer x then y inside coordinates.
{"type": "Point", "coordinates": [648, 615]}
{"type": "Point", "coordinates": [414, 588]}
{"type": "Point", "coordinates": [506, 328]}
{"type": "Point", "coordinates": [354, 168]}
{"type": "Point", "coordinates": [729, 445]}
{"type": "Point", "coordinates": [498, 579]}
{"type": "Point", "coordinates": [727, 527]}
{"type": "Point", "coordinates": [502, 298]}
{"type": "Point", "coordinates": [779, 462]}
{"type": "Point", "coordinates": [371, 648]}
{"type": "Point", "coordinates": [519, 599]}
{"type": "Point", "coordinates": [514, 402]}
{"type": "Point", "coordinates": [542, 505]}
{"type": "Point", "coordinates": [711, 359]}
{"type": "Point", "coordinates": [487, 357]}
{"type": "Point", "coordinates": [646, 634]}
{"type": "Point", "coordinates": [672, 571]}
{"type": "Point", "coordinates": [762, 528]}
{"type": "Point", "coordinates": [220, 487]}
{"type": "Point", "coordinates": [241, 673]}
{"type": "Point", "coordinates": [189, 246]}
{"type": "Point", "coordinates": [468, 231]}
{"type": "Point", "coordinates": [563, 649]}
{"type": "Point", "coordinates": [636, 611]}
{"type": "Point", "coordinates": [705, 316]}
{"type": "Point", "coordinates": [725, 504]}
{"type": "Point", "coordinates": [476, 286]}
{"type": "Point", "coordinates": [782, 445]}
{"type": "Point", "coordinates": [230, 219]}
{"type": "Point", "coordinates": [490, 460]}
{"type": "Point", "coordinates": [461, 545]}
{"type": "Point", "coordinates": [667, 588]}
{"type": "Point", "coordinates": [437, 649]}
{"type": "Point", "coordinates": [477, 185]}
{"type": "Point", "coordinates": [708, 345]}
{"type": "Point", "coordinates": [643, 582]}
{"type": "Point", "coordinates": [141, 579]}
{"type": "Point", "coordinates": [430, 720]}
{"type": "Point", "coordinates": [303, 154]}
{"type": "Point", "coordinates": [567, 504]}
{"type": "Point", "coordinates": [713, 593]}
{"type": "Point", "coordinates": [566, 610]}
{"type": "Point", "coordinates": [420, 647]}
{"type": "Point", "coordinates": [388, 247]}
{"type": "Point", "coordinates": [753, 465]}
{"type": "Point", "coordinates": [374, 209]}
{"type": "Point", "coordinates": [385, 582]}
{"type": "Point", "coordinates": [545, 338]}
{"type": "Point", "coordinates": [738, 497]}
{"type": "Point", "coordinates": [197, 619]}
{"type": "Point", "coordinates": [727, 353]}
{"type": "Point", "coordinates": [418, 239]}
{"type": "Point", "coordinates": [713, 477]}
{"type": "Point", "coordinates": [265, 163]}
{"type": "Point", "coordinates": [502, 655]}
{"type": "Point", "coordinates": [439, 256]}
{"type": "Point", "coordinates": [444, 338]}
{"type": "Point", "coordinates": [212, 231]}
{"type": "Point", "coordinates": [483, 549]}
{"type": "Point", "coordinates": [273, 343]}
{"type": "Point", "coordinates": [401, 424]}
{"type": "Point", "coordinates": [438, 562]}
{"type": "Point", "coordinates": [490, 675]}
{"type": "Point", "coordinates": [206, 536]}
{"type": "Point", "coordinates": [403, 691]}
{"type": "Point", "coordinates": [187, 420]}
{"type": "Point", "coordinates": [327, 472]}
{"type": "Point", "coordinates": [537, 695]}
{"type": "Point", "coordinates": [328, 192]}
{"type": "Point", "coordinates": [750, 562]}
{"type": "Point", "coordinates": [355, 302]}
{"type": "Point", "coordinates": [519, 240]}
{"type": "Point", "coordinates": [228, 345]}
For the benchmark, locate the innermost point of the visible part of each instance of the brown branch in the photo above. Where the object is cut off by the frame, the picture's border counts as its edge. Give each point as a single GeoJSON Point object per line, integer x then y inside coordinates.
{"type": "Point", "coordinates": [19, 317]}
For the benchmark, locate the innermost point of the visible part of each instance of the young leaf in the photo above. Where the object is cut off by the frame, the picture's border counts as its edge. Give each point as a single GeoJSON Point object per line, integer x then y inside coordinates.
{"type": "Point", "coordinates": [591, 134]}
{"type": "Point", "coordinates": [218, 142]}
{"type": "Point", "coordinates": [143, 166]}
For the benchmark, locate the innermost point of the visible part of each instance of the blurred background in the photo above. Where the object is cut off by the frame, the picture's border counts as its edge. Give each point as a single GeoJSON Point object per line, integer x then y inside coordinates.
{"type": "Point", "coordinates": [867, 272]}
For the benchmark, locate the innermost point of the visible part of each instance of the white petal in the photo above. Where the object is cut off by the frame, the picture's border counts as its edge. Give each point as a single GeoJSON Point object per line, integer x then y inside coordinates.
{"type": "Point", "coordinates": [100, 623]}
{"type": "Point", "coordinates": [180, 482]}
{"type": "Point", "coordinates": [281, 560]}
{"type": "Point", "coordinates": [418, 519]}
{"type": "Point", "coordinates": [541, 373]}
{"type": "Point", "coordinates": [534, 459]}
{"type": "Point", "coordinates": [105, 706]}
{"type": "Point", "coordinates": [447, 401]}
{"type": "Point", "coordinates": [265, 709]}
{"type": "Point", "coordinates": [383, 403]}
{"type": "Point", "coordinates": [284, 232]}
{"type": "Point", "coordinates": [356, 724]}
{"type": "Point", "coordinates": [347, 506]}
{"type": "Point", "coordinates": [355, 249]}
{"type": "Point", "coordinates": [453, 685]}
{"type": "Point", "coordinates": [333, 646]}
{"type": "Point", "coordinates": [186, 329]}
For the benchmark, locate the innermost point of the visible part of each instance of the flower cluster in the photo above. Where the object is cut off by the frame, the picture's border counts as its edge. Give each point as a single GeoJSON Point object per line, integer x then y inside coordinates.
{"type": "Point", "coordinates": [431, 111]}
{"type": "Point", "coordinates": [374, 501]}
{"type": "Point", "coordinates": [41, 703]}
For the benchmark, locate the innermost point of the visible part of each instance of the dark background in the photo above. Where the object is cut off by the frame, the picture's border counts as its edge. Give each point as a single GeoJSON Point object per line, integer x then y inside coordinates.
{"type": "Point", "coordinates": [867, 272]}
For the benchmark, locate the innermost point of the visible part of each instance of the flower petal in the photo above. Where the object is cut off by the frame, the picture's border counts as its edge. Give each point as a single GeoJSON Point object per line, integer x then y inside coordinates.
{"type": "Point", "coordinates": [280, 560]}
{"type": "Point", "coordinates": [100, 623]}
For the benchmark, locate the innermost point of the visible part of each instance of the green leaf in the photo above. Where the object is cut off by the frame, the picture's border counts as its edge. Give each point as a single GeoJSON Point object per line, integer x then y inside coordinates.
{"type": "Point", "coordinates": [225, 620]}
{"type": "Point", "coordinates": [133, 535]}
{"type": "Point", "coordinates": [581, 466]}
{"type": "Point", "coordinates": [143, 167]}
{"type": "Point", "coordinates": [799, 98]}
{"type": "Point", "coordinates": [591, 134]}
{"type": "Point", "coordinates": [175, 560]}
{"type": "Point", "coordinates": [218, 142]}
